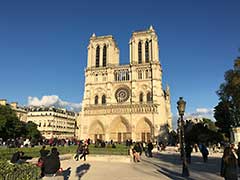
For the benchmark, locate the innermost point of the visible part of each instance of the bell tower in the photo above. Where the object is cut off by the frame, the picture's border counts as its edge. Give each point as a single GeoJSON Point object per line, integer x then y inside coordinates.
{"type": "Point", "coordinates": [143, 47]}
{"type": "Point", "coordinates": [102, 51]}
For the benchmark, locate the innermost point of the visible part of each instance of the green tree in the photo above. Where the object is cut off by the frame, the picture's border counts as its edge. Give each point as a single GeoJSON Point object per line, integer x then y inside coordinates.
{"type": "Point", "coordinates": [227, 112]}
{"type": "Point", "coordinates": [12, 127]}
{"type": "Point", "coordinates": [32, 132]}
{"type": "Point", "coordinates": [9, 123]}
{"type": "Point", "coordinates": [202, 132]}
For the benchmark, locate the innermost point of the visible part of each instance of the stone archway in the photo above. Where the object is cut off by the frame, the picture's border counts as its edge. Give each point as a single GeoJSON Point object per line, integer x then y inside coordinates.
{"type": "Point", "coordinates": [144, 130]}
{"type": "Point", "coordinates": [120, 130]}
{"type": "Point", "coordinates": [97, 131]}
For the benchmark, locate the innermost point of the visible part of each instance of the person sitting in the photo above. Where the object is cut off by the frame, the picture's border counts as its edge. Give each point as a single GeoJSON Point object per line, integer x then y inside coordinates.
{"type": "Point", "coordinates": [17, 157]}
{"type": "Point", "coordinates": [51, 163]}
{"type": "Point", "coordinates": [43, 152]}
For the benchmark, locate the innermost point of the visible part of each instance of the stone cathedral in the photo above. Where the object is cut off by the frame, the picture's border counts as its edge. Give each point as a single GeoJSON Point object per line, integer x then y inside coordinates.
{"type": "Point", "coordinates": [124, 101]}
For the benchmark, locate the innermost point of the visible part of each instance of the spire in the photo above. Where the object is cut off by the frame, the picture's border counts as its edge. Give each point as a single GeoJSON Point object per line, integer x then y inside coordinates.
{"type": "Point", "coordinates": [93, 35]}
{"type": "Point", "coordinates": [151, 28]}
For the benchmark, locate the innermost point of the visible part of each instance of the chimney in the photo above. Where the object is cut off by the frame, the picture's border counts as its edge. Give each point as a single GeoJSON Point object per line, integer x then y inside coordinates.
{"type": "Point", "coordinates": [14, 105]}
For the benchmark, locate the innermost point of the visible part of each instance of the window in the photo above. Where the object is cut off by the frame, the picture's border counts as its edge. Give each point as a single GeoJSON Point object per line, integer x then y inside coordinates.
{"type": "Point", "coordinates": [146, 52]}
{"type": "Point", "coordinates": [139, 53]}
{"type": "Point", "coordinates": [149, 97]}
{"type": "Point", "coordinates": [141, 97]}
{"type": "Point", "coordinates": [139, 74]}
{"type": "Point", "coordinates": [97, 56]}
{"type": "Point", "coordinates": [96, 100]}
{"type": "Point", "coordinates": [148, 73]}
{"type": "Point", "coordinates": [103, 99]}
{"type": "Point", "coordinates": [104, 56]}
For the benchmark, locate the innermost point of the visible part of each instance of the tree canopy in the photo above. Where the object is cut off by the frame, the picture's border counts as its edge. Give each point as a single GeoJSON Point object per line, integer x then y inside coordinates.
{"type": "Point", "coordinates": [227, 112]}
{"type": "Point", "coordinates": [12, 127]}
{"type": "Point", "coordinates": [202, 132]}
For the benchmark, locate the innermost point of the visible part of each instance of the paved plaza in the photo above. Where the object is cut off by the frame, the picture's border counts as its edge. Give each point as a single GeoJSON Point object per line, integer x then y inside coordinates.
{"type": "Point", "coordinates": [163, 166]}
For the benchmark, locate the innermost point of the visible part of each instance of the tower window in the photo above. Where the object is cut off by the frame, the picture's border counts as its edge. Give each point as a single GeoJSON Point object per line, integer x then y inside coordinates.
{"type": "Point", "coordinates": [104, 56]}
{"type": "Point", "coordinates": [149, 97]}
{"type": "Point", "coordinates": [96, 100]}
{"type": "Point", "coordinates": [140, 74]}
{"type": "Point", "coordinates": [97, 56]}
{"type": "Point", "coordinates": [141, 97]}
{"type": "Point", "coordinates": [103, 99]}
{"type": "Point", "coordinates": [139, 53]}
{"type": "Point", "coordinates": [146, 52]}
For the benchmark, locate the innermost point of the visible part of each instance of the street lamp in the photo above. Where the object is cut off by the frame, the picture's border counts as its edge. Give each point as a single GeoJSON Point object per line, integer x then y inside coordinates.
{"type": "Point", "coordinates": [181, 104]}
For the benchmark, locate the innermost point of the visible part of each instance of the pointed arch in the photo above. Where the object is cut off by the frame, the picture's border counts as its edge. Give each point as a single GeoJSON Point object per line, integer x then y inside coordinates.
{"type": "Point", "coordinates": [104, 56]}
{"type": "Point", "coordinates": [144, 129]}
{"type": "Point", "coordinates": [97, 56]}
{"type": "Point", "coordinates": [149, 97]}
{"type": "Point", "coordinates": [120, 129]}
{"type": "Point", "coordinates": [139, 52]}
{"type": "Point", "coordinates": [96, 100]}
{"type": "Point", "coordinates": [141, 97]}
{"type": "Point", "coordinates": [146, 52]}
{"type": "Point", "coordinates": [103, 99]}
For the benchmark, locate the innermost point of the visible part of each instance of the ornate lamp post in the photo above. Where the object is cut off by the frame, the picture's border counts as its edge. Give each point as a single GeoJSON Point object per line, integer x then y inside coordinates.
{"type": "Point", "coordinates": [181, 104]}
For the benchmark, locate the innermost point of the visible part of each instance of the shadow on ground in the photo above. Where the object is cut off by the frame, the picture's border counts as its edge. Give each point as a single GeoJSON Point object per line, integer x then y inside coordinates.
{"type": "Point", "coordinates": [164, 164]}
{"type": "Point", "coordinates": [66, 173]}
{"type": "Point", "coordinates": [82, 169]}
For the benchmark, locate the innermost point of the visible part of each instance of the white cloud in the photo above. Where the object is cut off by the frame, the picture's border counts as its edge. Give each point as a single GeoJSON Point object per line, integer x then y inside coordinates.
{"type": "Point", "coordinates": [53, 100]}
{"type": "Point", "coordinates": [204, 110]}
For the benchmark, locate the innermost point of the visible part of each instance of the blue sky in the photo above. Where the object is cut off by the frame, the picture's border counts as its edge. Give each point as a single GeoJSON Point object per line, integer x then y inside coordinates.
{"type": "Point", "coordinates": [43, 44]}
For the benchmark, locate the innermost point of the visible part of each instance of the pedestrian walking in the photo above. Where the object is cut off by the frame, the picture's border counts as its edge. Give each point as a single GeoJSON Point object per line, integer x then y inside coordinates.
{"type": "Point", "coordinates": [78, 151]}
{"type": "Point", "coordinates": [85, 151]}
{"type": "Point", "coordinates": [150, 148]}
{"type": "Point", "coordinates": [204, 151]}
{"type": "Point", "coordinates": [229, 165]}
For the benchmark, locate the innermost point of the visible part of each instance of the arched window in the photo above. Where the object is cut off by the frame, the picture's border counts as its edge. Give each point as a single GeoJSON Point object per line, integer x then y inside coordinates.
{"type": "Point", "coordinates": [146, 52]}
{"type": "Point", "coordinates": [141, 97]}
{"type": "Point", "coordinates": [139, 53]}
{"type": "Point", "coordinates": [149, 97]}
{"type": "Point", "coordinates": [103, 99]}
{"type": "Point", "coordinates": [140, 74]}
{"type": "Point", "coordinates": [96, 100]}
{"type": "Point", "coordinates": [97, 56]}
{"type": "Point", "coordinates": [104, 56]}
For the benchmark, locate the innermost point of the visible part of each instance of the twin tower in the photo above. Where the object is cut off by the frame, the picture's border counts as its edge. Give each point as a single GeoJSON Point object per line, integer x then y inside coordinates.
{"type": "Point", "coordinates": [124, 101]}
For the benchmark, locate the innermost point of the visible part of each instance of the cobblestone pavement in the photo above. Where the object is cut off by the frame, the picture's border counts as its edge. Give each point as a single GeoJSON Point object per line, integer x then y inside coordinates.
{"type": "Point", "coordinates": [163, 166]}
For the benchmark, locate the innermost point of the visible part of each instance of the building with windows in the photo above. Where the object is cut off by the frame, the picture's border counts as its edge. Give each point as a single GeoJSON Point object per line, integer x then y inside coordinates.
{"type": "Point", "coordinates": [53, 122]}
{"type": "Point", "coordinates": [21, 112]}
{"type": "Point", "coordinates": [124, 101]}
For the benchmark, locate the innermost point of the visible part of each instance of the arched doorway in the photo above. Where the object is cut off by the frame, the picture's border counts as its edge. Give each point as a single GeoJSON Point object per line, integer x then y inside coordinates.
{"type": "Point", "coordinates": [120, 130]}
{"type": "Point", "coordinates": [144, 130]}
{"type": "Point", "coordinates": [96, 131]}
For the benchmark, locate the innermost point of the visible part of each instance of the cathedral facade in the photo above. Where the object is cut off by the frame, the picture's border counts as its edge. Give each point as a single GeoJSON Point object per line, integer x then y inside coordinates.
{"type": "Point", "coordinates": [124, 101]}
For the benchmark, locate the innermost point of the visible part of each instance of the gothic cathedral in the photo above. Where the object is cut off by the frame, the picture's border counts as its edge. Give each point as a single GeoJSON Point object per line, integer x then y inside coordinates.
{"type": "Point", "coordinates": [124, 101]}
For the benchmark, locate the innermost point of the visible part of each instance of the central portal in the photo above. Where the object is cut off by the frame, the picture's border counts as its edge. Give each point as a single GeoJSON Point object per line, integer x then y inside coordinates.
{"type": "Point", "coordinates": [120, 130]}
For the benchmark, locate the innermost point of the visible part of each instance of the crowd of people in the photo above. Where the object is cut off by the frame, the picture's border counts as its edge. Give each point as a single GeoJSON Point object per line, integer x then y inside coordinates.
{"type": "Point", "coordinates": [49, 161]}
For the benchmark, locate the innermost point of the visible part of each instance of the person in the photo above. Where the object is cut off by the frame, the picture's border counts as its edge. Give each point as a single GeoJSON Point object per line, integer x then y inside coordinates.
{"type": "Point", "coordinates": [51, 163]}
{"type": "Point", "coordinates": [150, 148]}
{"type": "Point", "coordinates": [136, 157]}
{"type": "Point", "coordinates": [188, 149]}
{"type": "Point", "coordinates": [229, 165]}
{"type": "Point", "coordinates": [79, 151]}
{"type": "Point", "coordinates": [17, 157]}
{"type": "Point", "coordinates": [43, 154]}
{"type": "Point", "coordinates": [85, 151]}
{"type": "Point", "coordinates": [204, 151]}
